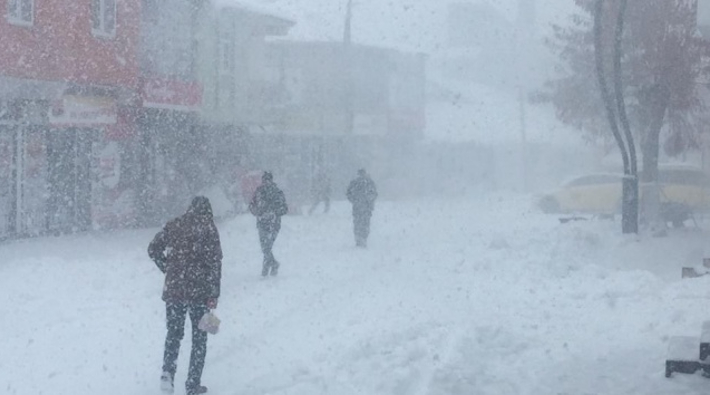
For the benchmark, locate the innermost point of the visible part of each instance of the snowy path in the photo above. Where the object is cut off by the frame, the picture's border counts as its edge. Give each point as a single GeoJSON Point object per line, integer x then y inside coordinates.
{"type": "Point", "coordinates": [453, 297]}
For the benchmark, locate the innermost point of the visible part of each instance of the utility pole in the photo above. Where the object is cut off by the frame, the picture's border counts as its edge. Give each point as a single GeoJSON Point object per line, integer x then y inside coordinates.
{"type": "Point", "coordinates": [347, 33]}
{"type": "Point", "coordinates": [525, 30]}
{"type": "Point", "coordinates": [347, 70]}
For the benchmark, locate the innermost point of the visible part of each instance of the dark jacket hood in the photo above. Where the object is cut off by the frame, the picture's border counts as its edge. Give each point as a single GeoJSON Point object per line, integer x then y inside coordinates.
{"type": "Point", "coordinates": [200, 206]}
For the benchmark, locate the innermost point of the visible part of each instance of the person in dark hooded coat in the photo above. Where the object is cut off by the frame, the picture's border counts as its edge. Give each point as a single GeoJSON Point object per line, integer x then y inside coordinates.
{"type": "Point", "coordinates": [268, 206]}
{"type": "Point", "coordinates": [362, 193]}
{"type": "Point", "coordinates": [188, 251]}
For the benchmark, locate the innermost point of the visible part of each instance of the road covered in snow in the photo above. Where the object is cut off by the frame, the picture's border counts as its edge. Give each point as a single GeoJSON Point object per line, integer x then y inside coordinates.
{"type": "Point", "coordinates": [482, 295]}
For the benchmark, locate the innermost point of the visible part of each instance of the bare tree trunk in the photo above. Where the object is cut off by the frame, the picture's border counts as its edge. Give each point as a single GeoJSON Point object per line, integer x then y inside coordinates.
{"type": "Point", "coordinates": [604, 87]}
{"type": "Point", "coordinates": [656, 106]}
{"type": "Point", "coordinates": [619, 88]}
{"type": "Point", "coordinates": [629, 213]}
{"type": "Point", "coordinates": [630, 188]}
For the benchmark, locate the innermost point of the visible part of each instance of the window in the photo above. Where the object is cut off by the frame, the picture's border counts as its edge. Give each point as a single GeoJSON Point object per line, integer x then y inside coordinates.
{"type": "Point", "coordinates": [20, 11]}
{"type": "Point", "coordinates": [103, 17]}
{"type": "Point", "coordinates": [226, 55]}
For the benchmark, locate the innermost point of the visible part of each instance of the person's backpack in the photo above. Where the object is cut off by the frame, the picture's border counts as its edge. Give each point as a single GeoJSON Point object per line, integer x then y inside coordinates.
{"type": "Point", "coordinates": [263, 203]}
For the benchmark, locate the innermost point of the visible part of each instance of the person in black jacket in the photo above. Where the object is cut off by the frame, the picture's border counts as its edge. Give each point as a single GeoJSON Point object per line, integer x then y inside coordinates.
{"type": "Point", "coordinates": [362, 193]}
{"type": "Point", "coordinates": [268, 206]}
{"type": "Point", "coordinates": [188, 251]}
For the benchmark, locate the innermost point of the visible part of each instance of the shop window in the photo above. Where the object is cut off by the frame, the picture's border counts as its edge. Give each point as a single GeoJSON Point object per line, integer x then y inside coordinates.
{"type": "Point", "coordinates": [103, 18]}
{"type": "Point", "coordinates": [20, 12]}
{"type": "Point", "coordinates": [226, 55]}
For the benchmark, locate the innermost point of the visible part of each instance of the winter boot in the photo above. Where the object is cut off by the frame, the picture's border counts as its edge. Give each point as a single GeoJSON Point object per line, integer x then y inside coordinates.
{"type": "Point", "coordinates": [166, 383]}
{"type": "Point", "coordinates": [265, 270]}
{"type": "Point", "coordinates": [275, 269]}
{"type": "Point", "coordinates": [200, 389]}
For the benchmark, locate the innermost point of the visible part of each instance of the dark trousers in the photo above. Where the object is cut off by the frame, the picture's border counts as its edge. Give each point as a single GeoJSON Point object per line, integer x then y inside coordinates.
{"type": "Point", "coordinates": [361, 225]}
{"type": "Point", "coordinates": [268, 231]}
{"type": "Point", "coordinates": [176, 313]}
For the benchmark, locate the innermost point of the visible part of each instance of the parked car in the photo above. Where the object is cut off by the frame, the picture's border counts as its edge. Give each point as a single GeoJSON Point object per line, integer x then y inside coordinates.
{"type": "Point", "coordinates": [685, 185]}
{"type": "Point", "coordinates": [683, 188]}
{"type": "Point", "coordinates": [598, 193]}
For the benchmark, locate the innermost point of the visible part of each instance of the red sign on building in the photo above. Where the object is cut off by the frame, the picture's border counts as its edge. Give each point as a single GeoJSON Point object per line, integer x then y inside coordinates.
{"type": "Point", "coordinates": [171, 94]}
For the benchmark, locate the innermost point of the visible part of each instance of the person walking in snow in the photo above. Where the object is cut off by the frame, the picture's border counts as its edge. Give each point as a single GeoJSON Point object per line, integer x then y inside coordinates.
{"type": "Point", "coordinates": [268, 205]}
{"type": "Point", "coordinates": [362, 193]}
{"type": "Point", "coordinates": [321, 192]}
{"type": "Point", "coordinates": [188, 251]}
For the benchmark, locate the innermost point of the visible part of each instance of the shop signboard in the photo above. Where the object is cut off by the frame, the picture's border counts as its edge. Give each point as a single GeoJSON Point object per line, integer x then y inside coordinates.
{"type": "Point", "coordinates": [83, 111]}
{"type": "Point", "coordinates": [170, 94]}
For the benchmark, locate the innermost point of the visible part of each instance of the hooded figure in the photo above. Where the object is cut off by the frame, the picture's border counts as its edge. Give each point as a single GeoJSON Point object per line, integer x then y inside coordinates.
{"type": "Point", "coordinates": [362, 193]}
{"type": "Point", "coordinates": [321, 192]}
{"type": "Point", "coordinates": [268, 206]}
{"type": "Point", "coordinates": [188, 251]}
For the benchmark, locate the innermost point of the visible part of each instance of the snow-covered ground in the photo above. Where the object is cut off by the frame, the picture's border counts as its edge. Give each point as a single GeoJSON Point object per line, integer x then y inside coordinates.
{"type": "Point", "coordinates": [474, 296]}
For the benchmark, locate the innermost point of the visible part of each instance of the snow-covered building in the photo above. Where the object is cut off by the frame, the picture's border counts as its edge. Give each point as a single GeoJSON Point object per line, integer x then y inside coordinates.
{"type": "Point", "coordinates": [230, 55]}
{"type": "Point", "coordinates": [68, 78]}
{"type": "Point", "coordinates": [325, 86]}
{"type": "Point", "coordinates": [237, 97]}
{"type": "Point", "coordinates": [109, 110]}
{"type": "Point", "coordinates": [171, 100]}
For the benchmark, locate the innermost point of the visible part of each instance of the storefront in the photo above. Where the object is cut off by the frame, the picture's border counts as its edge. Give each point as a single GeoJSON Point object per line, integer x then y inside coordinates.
{"type": "Point", "coordinates": [23, 168]}
{"type": "Point", "coordinates": [173, 151]}
{"type": "Point", "coordinates": [89, 151]}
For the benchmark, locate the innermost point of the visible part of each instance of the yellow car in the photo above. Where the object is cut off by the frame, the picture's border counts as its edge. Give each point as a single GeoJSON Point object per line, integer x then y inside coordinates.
{"type": "Point", "coordinates": [683, 188]}
{"type": "Point", "coordinates": [685, 185]}
{"type": "Point", "coordinates": [588, 194]}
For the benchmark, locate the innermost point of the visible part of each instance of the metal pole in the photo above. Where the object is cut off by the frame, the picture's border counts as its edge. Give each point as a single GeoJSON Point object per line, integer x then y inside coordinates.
{"type": "Point", "coordinates": [347, 59]}
{"type": "Point", "coordinates": [524, 138]}
{"type": "Point", "coordinates": [525, 30]}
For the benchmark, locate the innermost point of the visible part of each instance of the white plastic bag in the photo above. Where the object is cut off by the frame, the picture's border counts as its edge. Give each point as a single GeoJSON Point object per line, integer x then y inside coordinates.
{"type": "Point", "coordinates": [209, 323]}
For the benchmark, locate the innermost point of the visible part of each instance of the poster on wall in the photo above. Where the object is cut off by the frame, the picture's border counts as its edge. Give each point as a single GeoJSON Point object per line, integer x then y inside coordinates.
{"type": "Point", "coordinates": [114, 203]}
